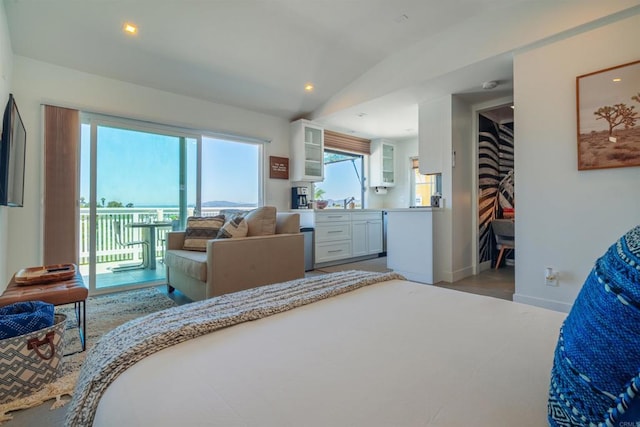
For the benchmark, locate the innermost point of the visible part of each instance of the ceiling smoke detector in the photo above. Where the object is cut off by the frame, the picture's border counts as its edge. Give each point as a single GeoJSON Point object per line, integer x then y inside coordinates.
{"type": "Point", "coordinates": [489, 85]}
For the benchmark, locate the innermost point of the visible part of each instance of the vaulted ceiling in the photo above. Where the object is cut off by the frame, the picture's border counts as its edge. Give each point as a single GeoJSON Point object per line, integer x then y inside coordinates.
{"type": "Point", "coordinates": [259, 54]}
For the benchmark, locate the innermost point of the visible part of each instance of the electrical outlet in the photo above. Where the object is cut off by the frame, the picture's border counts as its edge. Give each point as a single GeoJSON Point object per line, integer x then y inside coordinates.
{"type": "Point", "coordinates": [550, 277]}
{"type": "Point", "coordinates": [551, 281]}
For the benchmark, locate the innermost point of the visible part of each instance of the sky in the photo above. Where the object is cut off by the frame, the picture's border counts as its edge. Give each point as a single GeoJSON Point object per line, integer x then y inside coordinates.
{"type": "Point", "coordinates": [143, 168]}
{"type": "Point", "coordinates": [341, 181]}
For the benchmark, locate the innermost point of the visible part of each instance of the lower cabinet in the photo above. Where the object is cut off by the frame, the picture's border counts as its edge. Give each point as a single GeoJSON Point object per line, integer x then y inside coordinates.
{"type": "Point", "coordinates": [342, 235]}
{"type": "Point", "coordinates": [366, 230]}
{"type": "Point", "coordinates": [333, 236]}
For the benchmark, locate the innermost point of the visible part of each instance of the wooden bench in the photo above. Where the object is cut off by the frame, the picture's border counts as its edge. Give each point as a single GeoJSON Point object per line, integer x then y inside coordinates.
{"type": "Point", "coordinates": [71, 291]}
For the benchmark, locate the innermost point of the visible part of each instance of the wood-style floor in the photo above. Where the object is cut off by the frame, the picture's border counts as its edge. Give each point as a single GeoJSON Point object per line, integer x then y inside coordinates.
{"type": "Point", "coordinates": [495, 283]}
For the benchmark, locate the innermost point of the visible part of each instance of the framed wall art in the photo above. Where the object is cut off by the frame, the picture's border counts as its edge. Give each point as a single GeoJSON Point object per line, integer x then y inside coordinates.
{"type": "Point", "coordinates": [608, 106]}
{"type": "Point", "coordinates": [278, 167]}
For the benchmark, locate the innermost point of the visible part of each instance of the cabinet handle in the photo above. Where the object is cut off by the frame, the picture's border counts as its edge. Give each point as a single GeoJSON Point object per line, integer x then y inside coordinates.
{"type": "Point", "coordinates": [334, 231]}
{"type": "Point", "coordinates": [334, 251]}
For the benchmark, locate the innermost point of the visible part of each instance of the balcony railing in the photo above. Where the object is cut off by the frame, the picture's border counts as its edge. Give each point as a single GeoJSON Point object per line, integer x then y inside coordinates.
{"type": "Point", "coordinates": [107, 248]}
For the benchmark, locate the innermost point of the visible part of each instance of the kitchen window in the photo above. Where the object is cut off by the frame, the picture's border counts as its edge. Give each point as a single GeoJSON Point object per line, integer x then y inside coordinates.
{"type": "Point", "coordinates": [423, 186]}
{"type": "Point", "coordinates": [343, 184]}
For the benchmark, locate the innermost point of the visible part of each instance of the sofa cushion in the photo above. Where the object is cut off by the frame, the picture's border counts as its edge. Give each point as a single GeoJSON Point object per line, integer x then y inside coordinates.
{"type": "Point", "coordinates": [595, 378]}
{"type": "Point", "coordinates": [191, 263]}
{"type": "Point", "coordinates": [287, 223]}
{"type": "Point", "coordinates": [201, 229]}
{"type": "Point", "coordinates": [236, 226]}
{"type": "Point", "coordinates": [261, 221]}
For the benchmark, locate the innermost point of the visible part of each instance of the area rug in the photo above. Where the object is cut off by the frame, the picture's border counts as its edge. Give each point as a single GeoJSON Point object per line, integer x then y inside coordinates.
{"type": "Point", "coordinates": [104, 313]}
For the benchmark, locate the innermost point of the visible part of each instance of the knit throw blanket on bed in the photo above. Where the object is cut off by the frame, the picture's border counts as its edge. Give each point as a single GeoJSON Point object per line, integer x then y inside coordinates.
{"type": "Point", "coordinates": [127, 344]}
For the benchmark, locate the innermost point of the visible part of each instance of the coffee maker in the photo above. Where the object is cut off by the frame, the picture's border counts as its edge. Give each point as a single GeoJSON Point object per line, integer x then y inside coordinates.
{"type": "Point", "coordinates": [299, 197]}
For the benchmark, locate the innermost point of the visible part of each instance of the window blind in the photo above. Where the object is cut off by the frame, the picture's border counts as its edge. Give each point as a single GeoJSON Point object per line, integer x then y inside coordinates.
{"type": "Point", "coordinates": [341, 141]}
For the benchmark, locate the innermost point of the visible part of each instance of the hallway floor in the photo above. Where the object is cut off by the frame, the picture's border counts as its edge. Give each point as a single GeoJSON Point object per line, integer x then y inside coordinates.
{"type": "Point", "coordinates": [495, 283]}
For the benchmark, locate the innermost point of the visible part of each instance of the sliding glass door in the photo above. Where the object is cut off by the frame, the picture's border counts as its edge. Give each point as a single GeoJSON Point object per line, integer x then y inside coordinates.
{"type": "Point", "coordinates": [133, 190]}
{"type": "Point", "coordinates": [138, 181]}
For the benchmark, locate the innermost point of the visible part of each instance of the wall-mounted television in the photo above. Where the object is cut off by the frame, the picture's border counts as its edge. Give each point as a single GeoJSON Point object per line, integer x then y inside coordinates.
{"type": "Point", "coordinates": [12, 156]}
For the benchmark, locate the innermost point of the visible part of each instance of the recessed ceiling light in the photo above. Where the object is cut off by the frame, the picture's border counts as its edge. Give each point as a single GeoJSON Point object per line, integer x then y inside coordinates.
{"type": "Point", "coordinates": [617, 79]}
{"type": "Point", "coordinates": [308, 87]}
{"type": "Point", "coordinates": [130, 28]}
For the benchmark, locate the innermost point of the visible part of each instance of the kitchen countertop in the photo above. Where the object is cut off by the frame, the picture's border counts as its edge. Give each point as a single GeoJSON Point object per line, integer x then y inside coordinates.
{"type": "Point", "coordinates": [425, 209]}
{"type": "Point", "coordinates": [337, 210]}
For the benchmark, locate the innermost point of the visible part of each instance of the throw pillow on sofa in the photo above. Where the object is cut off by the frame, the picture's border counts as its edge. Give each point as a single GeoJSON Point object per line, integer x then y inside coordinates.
{"type": "Point", "coordinates": [201, 229]}
{"type": "Point", "coordinates": [595, 378]}
{"type": "Point", "coordinates": [261, 221]}
{"type": "Point", "coordinates": [236, 226]}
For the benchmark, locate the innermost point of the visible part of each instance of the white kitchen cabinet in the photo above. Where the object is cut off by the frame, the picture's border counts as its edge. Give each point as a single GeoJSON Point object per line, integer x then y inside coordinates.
{"type": "Point", "coordinates": [374, 236]}
{"type": "Point", "coordinates": [382, 163]}
{"type": "Point", "coordinates": [366, 231]}
{"type": "Point", "coordinates": [345, 234]}
{"type": "Point", "coordinates": [332, 236]}
{"type": "Point", "coordinates": [307, 151]}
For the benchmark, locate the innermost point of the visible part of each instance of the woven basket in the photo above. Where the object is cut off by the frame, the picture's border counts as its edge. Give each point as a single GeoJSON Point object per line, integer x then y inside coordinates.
{"type": "Point", "coordinates": [29, 362]}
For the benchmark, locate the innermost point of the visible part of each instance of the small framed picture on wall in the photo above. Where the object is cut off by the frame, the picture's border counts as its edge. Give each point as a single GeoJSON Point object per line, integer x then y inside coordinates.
{"type": "Point", "coordinates": [278, 167]}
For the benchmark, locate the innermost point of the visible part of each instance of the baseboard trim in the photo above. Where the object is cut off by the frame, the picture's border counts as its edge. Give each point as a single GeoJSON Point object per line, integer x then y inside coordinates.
{"type": "Point", "coordinates": [484, 266]}
{"type": "Point", "coordinates": [462, 273]}
{"type": "Point", "coordinates": [542, 302]}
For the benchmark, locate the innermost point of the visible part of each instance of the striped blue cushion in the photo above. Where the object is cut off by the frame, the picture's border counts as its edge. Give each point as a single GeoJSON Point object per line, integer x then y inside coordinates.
{"type": "Point", "coordinates": [595, 380]}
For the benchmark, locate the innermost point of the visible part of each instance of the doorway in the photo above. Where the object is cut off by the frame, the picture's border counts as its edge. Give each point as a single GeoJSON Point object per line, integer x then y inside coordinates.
{"type": "Point", "coordinates": [496, 185]}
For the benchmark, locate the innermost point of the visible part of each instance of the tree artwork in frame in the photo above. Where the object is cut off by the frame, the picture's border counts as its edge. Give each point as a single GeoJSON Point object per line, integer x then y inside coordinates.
{"type": "Point", "coordinates": [608, 104]}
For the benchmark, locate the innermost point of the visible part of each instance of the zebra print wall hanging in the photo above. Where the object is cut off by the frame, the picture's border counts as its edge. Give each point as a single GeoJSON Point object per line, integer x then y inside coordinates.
{"type": "Point", "coordinates": [495, 181]}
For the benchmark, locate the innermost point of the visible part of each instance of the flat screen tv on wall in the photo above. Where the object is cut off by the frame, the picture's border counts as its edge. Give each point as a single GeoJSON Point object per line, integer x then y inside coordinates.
{"type": "Point", "coordinates": [12, 156]}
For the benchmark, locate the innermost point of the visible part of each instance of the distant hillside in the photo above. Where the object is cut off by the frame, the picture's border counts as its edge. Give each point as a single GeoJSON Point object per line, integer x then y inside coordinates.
{"type": "Point", "coordinates": [226, 204]}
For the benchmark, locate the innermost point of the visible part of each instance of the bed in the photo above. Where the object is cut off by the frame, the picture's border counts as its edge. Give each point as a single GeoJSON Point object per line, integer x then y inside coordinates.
{"type": "Point", "coordinates": [392, 353]}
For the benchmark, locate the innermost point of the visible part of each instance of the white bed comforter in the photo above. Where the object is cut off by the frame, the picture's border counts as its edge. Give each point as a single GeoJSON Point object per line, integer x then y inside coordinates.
{"type": "Point", "coordinates": [391, 354]}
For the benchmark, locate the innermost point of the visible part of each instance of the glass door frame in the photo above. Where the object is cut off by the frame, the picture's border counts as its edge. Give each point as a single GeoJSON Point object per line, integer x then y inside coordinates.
{"type": "Point", "coordinates": [96, 120]}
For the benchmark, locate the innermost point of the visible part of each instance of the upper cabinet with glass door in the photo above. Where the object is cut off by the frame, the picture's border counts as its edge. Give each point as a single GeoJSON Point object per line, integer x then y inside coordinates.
{"type": "Point", "coordinates": [382, 163]}
{"type": "Point", "coordinates": [307, 151]}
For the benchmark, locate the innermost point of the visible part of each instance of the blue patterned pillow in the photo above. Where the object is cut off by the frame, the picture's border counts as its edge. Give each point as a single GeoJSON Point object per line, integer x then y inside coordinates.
{"type": "Point", "coordinates": [595, 380]}
{"type": "Point", "coordinates": [25, 317]}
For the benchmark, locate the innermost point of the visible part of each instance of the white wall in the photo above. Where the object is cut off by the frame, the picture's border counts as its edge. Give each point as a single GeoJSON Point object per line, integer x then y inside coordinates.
{"type": "Point", "coordinates": [462, 233]}
{"type": "Point", "coordinates": [566, 218]}
{"type": "Point", "coordinates": [435, 145]}
{"type": "Point", "coordinates": [400, 195]}
{"type": "Point", "coordinates": [36, 83]}
{"type": "Point", "coordinates": [445, 129]}
{"type": "Point", "coordinates": [6, 71]}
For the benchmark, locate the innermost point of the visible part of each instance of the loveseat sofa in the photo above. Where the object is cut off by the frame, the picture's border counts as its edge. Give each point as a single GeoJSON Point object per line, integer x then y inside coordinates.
{"type": "Point", "coordinates": [268, 254]}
